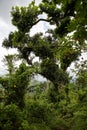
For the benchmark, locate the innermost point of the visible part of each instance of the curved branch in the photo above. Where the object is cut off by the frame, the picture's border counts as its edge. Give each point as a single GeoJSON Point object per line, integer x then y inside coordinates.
{"type": "Point", "coordinates": [46, 20]}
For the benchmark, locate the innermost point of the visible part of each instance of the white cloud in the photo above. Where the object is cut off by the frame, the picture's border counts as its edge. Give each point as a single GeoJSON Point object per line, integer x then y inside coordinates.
{"type": "Point", "coordinates": [37, 28]}
{"type": "Point", "coordinates": [4, 28]}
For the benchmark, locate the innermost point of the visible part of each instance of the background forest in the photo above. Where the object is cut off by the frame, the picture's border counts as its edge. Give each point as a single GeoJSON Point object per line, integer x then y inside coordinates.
{"type": "Point", "coordinates": [59, 102]}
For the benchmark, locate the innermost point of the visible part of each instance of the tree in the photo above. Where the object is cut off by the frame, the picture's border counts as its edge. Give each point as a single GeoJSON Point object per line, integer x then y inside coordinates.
{"type": "Point", "coordinates": [64, 106]}
{"type": "Point", "coordinates": [56, 47]}
{"type": "Point", "coordinates": [11, 117]}
{"type": "Point", "coordinates": [15, 86]}
{"type": "Point", "coordinates": [9, 61]}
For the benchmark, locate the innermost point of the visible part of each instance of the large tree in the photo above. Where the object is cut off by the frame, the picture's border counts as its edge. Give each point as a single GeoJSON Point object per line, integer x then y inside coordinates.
{"type": "Point", "coordinates": [56, 50]}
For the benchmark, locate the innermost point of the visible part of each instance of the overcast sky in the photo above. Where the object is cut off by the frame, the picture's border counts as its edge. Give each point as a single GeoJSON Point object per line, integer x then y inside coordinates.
{"type": "Point", "coordinates": [6, 26]}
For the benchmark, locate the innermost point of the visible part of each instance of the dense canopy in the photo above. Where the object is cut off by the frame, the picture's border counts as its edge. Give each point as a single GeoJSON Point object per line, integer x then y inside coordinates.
{"type": "Point", "coordinates": [57, 104]}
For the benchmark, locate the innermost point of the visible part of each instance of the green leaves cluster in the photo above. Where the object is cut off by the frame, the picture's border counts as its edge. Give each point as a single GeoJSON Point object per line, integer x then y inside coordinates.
{"type": "Point", "coordinates": [25, 17]}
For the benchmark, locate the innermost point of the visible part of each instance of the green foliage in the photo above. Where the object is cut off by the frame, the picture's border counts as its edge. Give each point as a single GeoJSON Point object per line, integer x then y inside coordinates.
{"type": "Point", "coordinates": [52, 72]}
{"type": "Point", "coordinates": [62, 106]}
{"type": "Point", "coordinates": [16, 85]}
{"type": "Point", "coordinates": [27, 15]}
{"type": "Point", "coordinates": [49, 109]}
{"type": "Point", "coordinates": [81, 80]}
{"type": "Point", "coordinates": [8, 43]}
{"type": "Point", "coordinates": [10, 117]}
{"type": "Point", "coordinates": [80, 119]}
{"type": "Point", "coordinates": [68, 56]}
{"type": "Point", "coordinates": [9, 61]}
{"type": "Point", "coordinates": [42, 115]}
